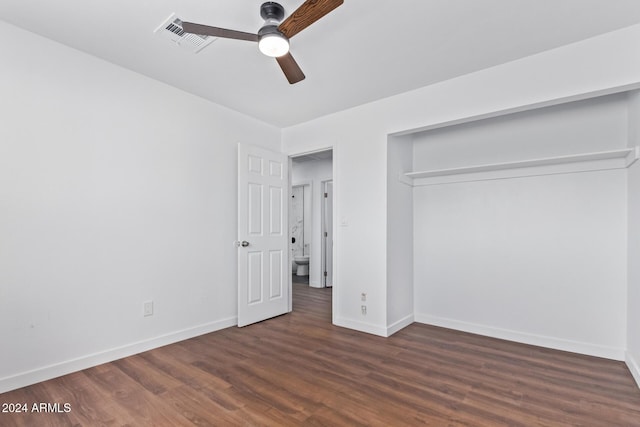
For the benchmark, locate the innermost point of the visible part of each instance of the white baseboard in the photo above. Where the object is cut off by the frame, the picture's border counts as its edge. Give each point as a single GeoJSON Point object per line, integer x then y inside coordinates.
{"type": "Point", "coordinates": [369, 328]}
{"type": "Point", "coordinates": [400, 324]}
{"type": "Point", "coordinates": [589, 349]}
{"type": "Point", "coordinates": [633, 363]}
{"type": "Point", "coordinates": [56, 370]}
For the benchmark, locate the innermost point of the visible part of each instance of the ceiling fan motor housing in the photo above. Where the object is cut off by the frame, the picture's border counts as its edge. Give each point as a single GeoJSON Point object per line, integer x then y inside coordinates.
{"type": "Point", "coordinates": [271, 41]}
{"type": "Point", "coordinates": [269, 29]}
{"type": "Point", "coordinates": [271, 11]}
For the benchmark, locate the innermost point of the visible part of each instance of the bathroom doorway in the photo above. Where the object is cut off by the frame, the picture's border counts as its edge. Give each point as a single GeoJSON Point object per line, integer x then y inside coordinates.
{"type": "Point", "coordinates": [310, 227]}
{"type": "Point", "coordinates": [300, 226]}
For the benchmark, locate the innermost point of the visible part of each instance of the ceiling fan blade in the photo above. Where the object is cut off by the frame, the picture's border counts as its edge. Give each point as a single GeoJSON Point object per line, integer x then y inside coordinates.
{"type": "Point", "coordinates": [206, 30]}
{"type": "Point", "coordinates": [290, 68]}
{"type": "Point", "coordinates": [307, 14]}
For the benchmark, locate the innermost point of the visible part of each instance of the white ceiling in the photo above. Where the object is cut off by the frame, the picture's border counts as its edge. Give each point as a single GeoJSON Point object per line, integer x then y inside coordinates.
{"type": "Point", "coordinates": [363, 51]}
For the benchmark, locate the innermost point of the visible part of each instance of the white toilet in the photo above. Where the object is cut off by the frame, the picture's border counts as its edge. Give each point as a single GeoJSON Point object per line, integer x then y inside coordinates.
{"type": "Point", "coordinates": [303, 265]}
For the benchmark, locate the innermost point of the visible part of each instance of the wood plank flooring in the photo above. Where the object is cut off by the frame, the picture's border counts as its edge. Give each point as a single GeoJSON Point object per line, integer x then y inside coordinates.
{"type": "Point", "coordinates": [298, 369]}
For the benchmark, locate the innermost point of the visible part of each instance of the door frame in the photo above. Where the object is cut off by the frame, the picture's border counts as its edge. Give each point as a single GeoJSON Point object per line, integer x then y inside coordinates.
{"type": "Point", "coordinates": [323, 229]}
{"type": "Point", "coordinates": [336, 240]}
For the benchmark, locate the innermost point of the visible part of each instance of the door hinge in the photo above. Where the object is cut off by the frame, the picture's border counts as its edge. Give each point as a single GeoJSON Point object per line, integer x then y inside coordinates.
{"type": "Point", "coordinates": [325, 274]}
{"type": "Point", "coordinates": [326, 195]}
{"type": "Point", "coordinates": [326, 234]}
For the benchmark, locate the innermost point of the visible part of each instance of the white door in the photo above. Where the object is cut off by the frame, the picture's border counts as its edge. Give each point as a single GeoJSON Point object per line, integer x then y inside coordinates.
{"type": "Point", "coordinates": [263, 260]}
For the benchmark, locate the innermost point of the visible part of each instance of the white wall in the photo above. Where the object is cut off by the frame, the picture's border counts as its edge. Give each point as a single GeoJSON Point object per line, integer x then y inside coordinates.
{"type": "Point", "coordinates": [633, 218]}
{"type": "Point", "coordinates": [400, 235]}
{"type": "Point", "coordinates": [603, 64]}
{"type": "Point", "coordinates": [359, 164]}
{"type": "Point", "coordinates": [593, 125]}
{"type": "Point", "coordinates": [111, 188]}
{"type": "Point", "coordinates": [315, 172]}
{"type": "Point", "coordinates": [538, 259]}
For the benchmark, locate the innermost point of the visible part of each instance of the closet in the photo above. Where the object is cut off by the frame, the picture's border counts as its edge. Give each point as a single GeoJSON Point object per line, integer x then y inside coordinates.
{"type": "Point", "coordinates": [516, 226]}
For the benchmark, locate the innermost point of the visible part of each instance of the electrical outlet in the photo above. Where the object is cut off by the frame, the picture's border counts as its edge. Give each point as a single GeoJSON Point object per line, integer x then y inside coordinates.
{"type": "Point", "coordinates": [363, 296]}
{"type": "Point", "coordinates": [363, 309]}
{"type": "Point", "coordinates": [147, 308]}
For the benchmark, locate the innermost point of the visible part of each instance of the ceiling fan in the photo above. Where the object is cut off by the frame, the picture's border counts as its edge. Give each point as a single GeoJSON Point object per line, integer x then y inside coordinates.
{"type": "Point", "coordinates": [273, 37]}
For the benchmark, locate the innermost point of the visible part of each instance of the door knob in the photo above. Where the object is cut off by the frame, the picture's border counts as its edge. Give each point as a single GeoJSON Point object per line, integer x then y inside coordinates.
{"type": "Point", "coordinates": [244, 243]}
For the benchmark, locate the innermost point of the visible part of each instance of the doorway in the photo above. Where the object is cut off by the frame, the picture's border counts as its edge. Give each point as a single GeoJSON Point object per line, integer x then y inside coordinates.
{"type": "Point", "coordinates": [312, 176]}
{"type": "Point", "coordinates": [300, 226]}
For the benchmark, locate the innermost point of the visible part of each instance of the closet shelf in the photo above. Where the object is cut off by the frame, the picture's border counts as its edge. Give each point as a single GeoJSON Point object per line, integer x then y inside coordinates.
{"type": "Point", "coordinates": [629, 154]}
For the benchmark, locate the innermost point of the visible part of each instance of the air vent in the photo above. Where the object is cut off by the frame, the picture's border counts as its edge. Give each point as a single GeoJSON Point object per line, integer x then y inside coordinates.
{"type": "Point", "coordinates": [172, 30]}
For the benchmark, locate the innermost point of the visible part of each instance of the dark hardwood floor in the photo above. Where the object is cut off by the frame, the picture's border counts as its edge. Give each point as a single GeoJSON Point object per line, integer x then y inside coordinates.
{"type": "Point", "coordinates": [298, 369]}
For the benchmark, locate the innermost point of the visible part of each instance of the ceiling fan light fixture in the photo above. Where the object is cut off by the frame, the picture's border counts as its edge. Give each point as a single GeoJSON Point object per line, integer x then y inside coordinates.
{"type": "Point", "coordinates": [273, 44]}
